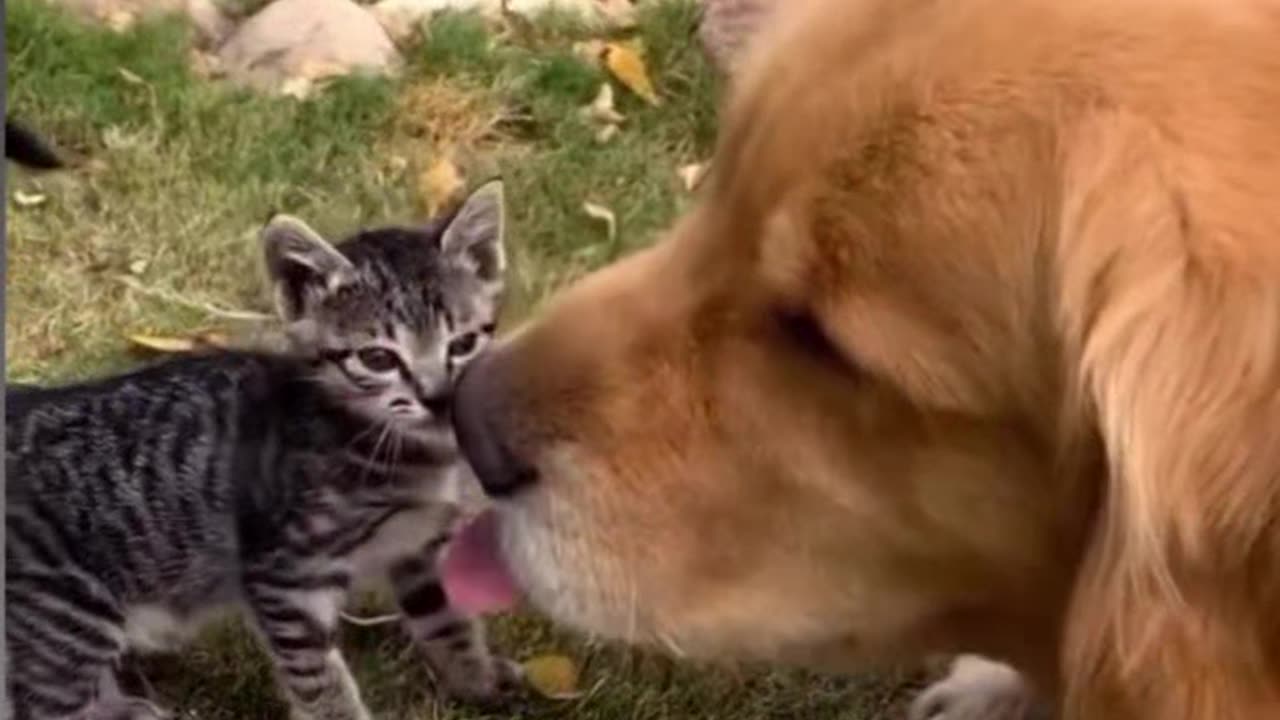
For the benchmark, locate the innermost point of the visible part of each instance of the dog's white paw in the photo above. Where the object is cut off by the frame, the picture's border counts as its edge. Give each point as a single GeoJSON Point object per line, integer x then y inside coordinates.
{"type": "Point", "coordinates": [978, 689]}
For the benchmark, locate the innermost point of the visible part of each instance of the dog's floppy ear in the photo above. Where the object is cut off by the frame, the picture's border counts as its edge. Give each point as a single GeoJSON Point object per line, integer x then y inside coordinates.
{"type": "Point", "coordinates": [1174, 321]}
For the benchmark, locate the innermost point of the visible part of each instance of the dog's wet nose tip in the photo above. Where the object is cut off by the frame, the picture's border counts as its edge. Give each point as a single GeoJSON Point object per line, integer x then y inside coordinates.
{"type": "Point", "coordinates": [479, 411]}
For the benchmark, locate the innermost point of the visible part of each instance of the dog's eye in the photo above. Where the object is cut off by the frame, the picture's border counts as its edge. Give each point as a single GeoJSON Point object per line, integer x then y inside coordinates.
{"type": "Point", "coordinates": [808, 336]}
{"type": "Point", "coordinates": [378, 359]}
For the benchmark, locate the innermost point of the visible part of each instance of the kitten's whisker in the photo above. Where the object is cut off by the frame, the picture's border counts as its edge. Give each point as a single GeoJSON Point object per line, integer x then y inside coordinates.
{"type": "Point", "coordinates": [369, 463]}
{"type": "Point", "coordinates": [382, 453]}
{"type": "Point", "coordinates": [360, 436]}
{"type": "Point", "coordinates": [397, 453]}
{"type": "Point", "coordinates": [394, 439]}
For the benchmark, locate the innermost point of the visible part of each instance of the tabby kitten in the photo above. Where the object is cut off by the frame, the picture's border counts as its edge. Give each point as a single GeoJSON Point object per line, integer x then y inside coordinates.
{"type": "Point", "coordinates": [137, 505]}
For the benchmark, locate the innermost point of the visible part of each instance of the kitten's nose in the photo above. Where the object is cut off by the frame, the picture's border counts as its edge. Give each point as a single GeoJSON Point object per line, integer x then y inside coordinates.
{"type": "Point", "coordinates": [478, 419]}
{"type": "Point", "coordinates": [438, 404]}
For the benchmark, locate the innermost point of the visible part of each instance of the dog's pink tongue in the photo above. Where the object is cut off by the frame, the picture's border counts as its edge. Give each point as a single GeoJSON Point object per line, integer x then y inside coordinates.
{"type": "Point", "coordinates": [474, 575]}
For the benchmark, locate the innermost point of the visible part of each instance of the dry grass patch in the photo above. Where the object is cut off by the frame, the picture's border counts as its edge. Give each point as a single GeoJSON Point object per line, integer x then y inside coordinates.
{"type": "Point", "coordinates": [444, 133]}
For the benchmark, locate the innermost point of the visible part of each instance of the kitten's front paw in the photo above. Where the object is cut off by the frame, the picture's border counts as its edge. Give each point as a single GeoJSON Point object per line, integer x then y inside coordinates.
{"type": "Point", "coordinates": [497, 682]}
{"type": "Point", "coordinates": [510, 674]}
{"type": "Point", "coordinates": [979, 689]}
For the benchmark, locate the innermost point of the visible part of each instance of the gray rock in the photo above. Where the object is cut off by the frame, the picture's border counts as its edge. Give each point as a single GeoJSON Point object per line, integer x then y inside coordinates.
{"type": "Point", "coordinates": [400, 18]}
{"type": "Point", "coordinates": [212, 24]}
{"type": "Point", "coordinates": [298, 41]}
{"type": "Point", "coordinates": [209, 20]}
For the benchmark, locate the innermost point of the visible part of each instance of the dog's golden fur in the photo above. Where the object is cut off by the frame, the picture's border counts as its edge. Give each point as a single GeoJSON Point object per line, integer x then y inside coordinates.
{"type": "Point", "coordinates": [970, 344]}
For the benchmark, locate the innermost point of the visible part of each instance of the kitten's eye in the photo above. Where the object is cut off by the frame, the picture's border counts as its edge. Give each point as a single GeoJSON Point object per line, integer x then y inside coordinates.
{"type": "Point", "coordinates": [463, 344]}
{"type": "Point", "coordinates": [378, 359]}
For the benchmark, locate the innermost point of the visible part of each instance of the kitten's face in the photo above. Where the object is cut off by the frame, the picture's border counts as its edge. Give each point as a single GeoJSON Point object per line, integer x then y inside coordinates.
{"type": "Point", "coordinates": [393, 315]}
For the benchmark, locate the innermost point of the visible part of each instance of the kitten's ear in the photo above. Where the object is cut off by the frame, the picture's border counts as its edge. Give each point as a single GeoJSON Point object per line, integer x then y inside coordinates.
{"type": "Point", "coordinates": [474, 237]}
{"type": "Point", "coordinates": [300, 264]}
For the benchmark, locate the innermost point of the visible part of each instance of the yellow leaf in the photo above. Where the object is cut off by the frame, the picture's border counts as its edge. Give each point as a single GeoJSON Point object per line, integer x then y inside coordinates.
{"type": "Point", "coordinates": [624, 62]}
{"type": "Point", "coordinates": [552, 676]}
{"type": "Point", "coordinates": [163, 344]}
{"type": "Point", "coordinates": [603, 214]}
{"type": "Point", "coordinates": [25, 199]}
{"type": "Point", "coordinates": [438, 184]}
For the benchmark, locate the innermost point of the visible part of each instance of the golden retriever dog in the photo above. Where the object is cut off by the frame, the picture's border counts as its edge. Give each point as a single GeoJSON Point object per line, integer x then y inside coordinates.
{"type": "Point", "coordinates": [971, 344]}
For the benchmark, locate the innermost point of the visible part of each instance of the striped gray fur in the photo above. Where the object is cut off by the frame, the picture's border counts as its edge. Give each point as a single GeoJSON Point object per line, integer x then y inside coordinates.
{"type": "Point", "coordinates": [140, 505]}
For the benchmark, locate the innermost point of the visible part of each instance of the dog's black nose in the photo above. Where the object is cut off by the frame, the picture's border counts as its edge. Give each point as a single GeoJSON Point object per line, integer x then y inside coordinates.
{"type": "Point", "coordinates": [479, 418]}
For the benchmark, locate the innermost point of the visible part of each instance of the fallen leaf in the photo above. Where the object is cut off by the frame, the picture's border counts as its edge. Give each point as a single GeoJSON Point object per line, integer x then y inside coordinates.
{"type": "Point", "coordinates": [552, 676]}
{"type": "Point", "coordinates": [438, 184]}
{"type": "Point", "coordinates": [164, 344]}
{"type": "Point", "coordinates": [603, 214]}
{"type": "Point", "coordinates": [625, 63]}
{"type": "Point", "coordinates": [601, 109]}
{"type": "Point", "coordinates": [130, 76]}
{"type": "Point", "coordinates": [606, 133]}
{"type": "Point", "coordinates": [160, 344]}
{"type": "Point", "coordinates": [26, 199]}
{"type": "Point", "coordinates": [601, 112]}
{"type": "Point", "coordinates": [692, 174]}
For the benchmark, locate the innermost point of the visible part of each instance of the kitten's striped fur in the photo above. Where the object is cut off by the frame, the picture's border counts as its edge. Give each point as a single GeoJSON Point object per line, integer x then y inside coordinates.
{"type": "Point", "coordinates": [139, 504]}
{"type": "Point", "coordinates": [23, 146]}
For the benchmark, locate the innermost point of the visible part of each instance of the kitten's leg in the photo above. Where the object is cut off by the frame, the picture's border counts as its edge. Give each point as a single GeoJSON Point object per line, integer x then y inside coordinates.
{"type": "Point", "coordinates": [454, 645]}
{"type": "Point", "coordinates": [129, 678]}
{"type": "Point", "coordinates": [297, 618]}
{"type": "Point", "coordinates": [979, 689]}
{"type": "Point", "coordinates": [62, 634]}
{"type": "Point", "coordinates": [115, 703]}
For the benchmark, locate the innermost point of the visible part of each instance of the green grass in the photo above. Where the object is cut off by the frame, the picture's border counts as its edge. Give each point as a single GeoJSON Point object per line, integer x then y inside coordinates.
{"type": "Point", "coordinates": [177, 173]}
